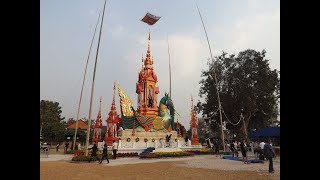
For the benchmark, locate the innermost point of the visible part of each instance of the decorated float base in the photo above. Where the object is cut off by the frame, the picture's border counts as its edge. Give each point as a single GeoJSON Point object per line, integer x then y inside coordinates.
{"type": "Point", "coordinates": [156, 139]}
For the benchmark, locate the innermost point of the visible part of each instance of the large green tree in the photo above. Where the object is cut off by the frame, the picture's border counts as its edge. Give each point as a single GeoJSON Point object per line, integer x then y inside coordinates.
{"type": "Point", "coordinates": [246, 85]}
{"type": "Point", "coordinates": [51, 125]}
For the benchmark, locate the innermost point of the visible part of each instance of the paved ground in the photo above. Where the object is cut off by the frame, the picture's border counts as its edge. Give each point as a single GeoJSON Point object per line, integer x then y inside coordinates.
{"type": "Point", "coordinates": [59, 166]}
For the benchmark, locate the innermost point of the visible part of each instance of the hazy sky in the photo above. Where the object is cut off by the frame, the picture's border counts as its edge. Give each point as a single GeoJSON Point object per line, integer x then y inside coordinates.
{"type": "Point", "coordinates": [66, 30]}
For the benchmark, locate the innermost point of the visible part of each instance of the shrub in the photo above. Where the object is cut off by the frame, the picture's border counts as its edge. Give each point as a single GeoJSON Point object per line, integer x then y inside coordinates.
{"type": "Point", "coordinates": [71, 151]}
{"type": "Point", "coordinates": [203, 151]}
{"type": "Point", "coordinates": [166, 154]}
{"type": "Point", "coordinates": [131, 154]}
{"type": "Point", "coordinates": [83, 157]}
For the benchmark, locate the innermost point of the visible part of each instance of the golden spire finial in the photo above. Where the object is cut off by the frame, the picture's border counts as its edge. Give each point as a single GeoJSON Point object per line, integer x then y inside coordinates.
{"type": "Point", "coordinates": [148, 52]}
{"type": "Point", "coordinates": [148, 62]}
{"type": "Point", "coordinates": [114, 92]}
{"type": "Point", "coordinates": [100, 103]}
{"type": "Point", "coordinates": [191, 102]}
{"type": "Point", "coordinates": [142, 61]}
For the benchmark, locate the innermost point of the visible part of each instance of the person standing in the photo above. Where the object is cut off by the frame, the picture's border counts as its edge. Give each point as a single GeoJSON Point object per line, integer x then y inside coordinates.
{"type": "Point", "coordinates": [114, 149]}
{"type": "Point", "coordinates": [269, 153]}
{"type": "Point", "coordinates": [104, 153]}
{"type": "Point", "coordinates": [243, 149]}
{"type": "Point", "coordinates": [79, 146]}
{"type": "Point", "coordinates": [236, 148]}
{"type": "Point", "coordinates": [261, 153]}
{"type": "Point", "coordinates": [256, 149]}
{"type": "Point", "coordinates": [186, 140]}
{"type": "Point", "coordinates": [217, 148]}
{"type": "Point", "coordinates": [57, 147]}
{"type": "Point", "coordinates": [232, 149]}
{"type": "Point", "coordinates": [66, 145]}
{"type": "Point", "coordinates": [94, 152]}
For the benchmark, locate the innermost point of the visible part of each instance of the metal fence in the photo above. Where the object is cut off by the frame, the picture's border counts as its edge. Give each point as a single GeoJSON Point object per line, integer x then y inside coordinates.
{"type": "Point", "coordinates": [44, 151]}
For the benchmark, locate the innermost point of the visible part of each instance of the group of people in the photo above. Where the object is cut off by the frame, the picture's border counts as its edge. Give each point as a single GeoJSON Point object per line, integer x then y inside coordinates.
{"type": "Point", "coordinates": [265, 151]}
{"type": "Point", "coordinates": [95, 149]}
{"type": "Point", "coordinates": [66, 146]}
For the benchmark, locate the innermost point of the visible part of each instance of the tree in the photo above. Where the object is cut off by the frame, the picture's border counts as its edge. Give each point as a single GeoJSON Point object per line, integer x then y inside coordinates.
{"type": "Point", "coordinates": [50, 112]}
{"type": "Point", "coordinates": [246, 86]}
{"type": "Point", "coordinates": [54, 132]}
{"type": "Point", "coordinates": [50, 121]}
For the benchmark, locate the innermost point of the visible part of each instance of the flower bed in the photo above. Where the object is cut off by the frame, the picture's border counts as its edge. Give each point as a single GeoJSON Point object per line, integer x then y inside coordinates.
{"type": "Point", "coordinates": [166, 154]}
{"type": "Point", "coordinates": [83, 157]}
{"type": "Point", "coordinates": [131, 154]}
{"type": "Point", "coordinates": [71, 151]}
{"type": "Point", "coordinates": [204, 151]}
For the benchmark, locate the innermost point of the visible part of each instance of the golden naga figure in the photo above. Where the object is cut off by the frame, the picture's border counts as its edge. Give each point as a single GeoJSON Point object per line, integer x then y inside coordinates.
{"type": "Point", "coordinates": [125, 103]}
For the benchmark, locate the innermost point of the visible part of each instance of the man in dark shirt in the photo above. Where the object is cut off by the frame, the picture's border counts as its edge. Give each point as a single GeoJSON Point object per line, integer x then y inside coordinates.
{"type": "Point", "coordinates": [66, 145]}
{"type": "Point", "coordinates": [94, 152]}
{"type": "Point", "coordinates": [269, 153]}
{"type": "Point", "coordinates": [233, 149]}
{"type": "Point", "coordinates": [104, 153]}
{"type": "Point", "coordinates": [186, 140]}
{"type": "Point", "coordinates": [243, 149]}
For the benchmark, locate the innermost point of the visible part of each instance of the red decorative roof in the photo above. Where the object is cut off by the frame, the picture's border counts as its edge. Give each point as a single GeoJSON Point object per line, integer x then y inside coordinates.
{"type": "Point", "coordinates": [99, 120]}
{"type": "Point", "coordinates": [113, 116]}
{"type": "Point", "coordinates": [81, 125]}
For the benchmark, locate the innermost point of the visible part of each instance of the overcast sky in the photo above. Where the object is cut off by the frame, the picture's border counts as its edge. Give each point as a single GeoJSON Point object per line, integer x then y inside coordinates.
{"type": "Point", "coordinates": [66, 30]}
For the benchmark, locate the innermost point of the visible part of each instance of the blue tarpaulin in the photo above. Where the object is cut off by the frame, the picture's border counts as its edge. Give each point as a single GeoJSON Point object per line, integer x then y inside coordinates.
{"type": "Point", "coordinates": [265, 132]}
{"type": "Point", "coordinates": [240, 159]}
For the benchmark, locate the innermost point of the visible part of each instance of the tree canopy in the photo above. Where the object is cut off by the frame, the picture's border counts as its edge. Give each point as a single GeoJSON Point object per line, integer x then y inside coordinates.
{"type": "Point", "coordinates": [246, 85]}
{"type": "Point", "coordinates": [50, 121]}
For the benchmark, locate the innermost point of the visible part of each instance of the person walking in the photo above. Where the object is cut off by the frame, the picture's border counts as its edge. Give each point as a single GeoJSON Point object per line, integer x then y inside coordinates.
{"type": "Point", "coordinates": [66, 146]}
{"type": "Point", "coordinates": [57, 147]}
{"type": "Point", "coordinates": [269, 153]}
{"type": "Point", "coordinates": [94, 152]}
{"type": "Point", "coordinates": [104, 153]}
{"type": "Point", "coordinates": [114, 149]}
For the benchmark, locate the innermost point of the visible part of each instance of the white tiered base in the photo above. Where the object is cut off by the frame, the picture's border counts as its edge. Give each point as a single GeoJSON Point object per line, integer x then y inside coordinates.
{"type": "Point", "coordinates": [158, 137]}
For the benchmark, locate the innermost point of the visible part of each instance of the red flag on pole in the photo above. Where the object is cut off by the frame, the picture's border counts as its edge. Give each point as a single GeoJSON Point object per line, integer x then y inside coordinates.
{"type": "Point", "coordinates": [150, 18]}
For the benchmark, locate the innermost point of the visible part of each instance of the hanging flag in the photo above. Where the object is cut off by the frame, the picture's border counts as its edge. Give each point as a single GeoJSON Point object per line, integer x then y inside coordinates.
{"type": "Point", "coordinates": [150, 18]}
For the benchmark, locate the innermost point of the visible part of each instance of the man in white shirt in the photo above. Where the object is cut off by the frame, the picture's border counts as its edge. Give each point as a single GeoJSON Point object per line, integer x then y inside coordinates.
{"type": "Point", "coordinates": [261, 144]}
{"type": "Point", "coordinates": [114, 149]}
{"type": "Point", "coordinates": [236, 148]}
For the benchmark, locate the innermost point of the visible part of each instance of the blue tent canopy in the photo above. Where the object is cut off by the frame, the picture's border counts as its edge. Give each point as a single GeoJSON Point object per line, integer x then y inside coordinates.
{"type": "Point", "coordinates": [265, 132]}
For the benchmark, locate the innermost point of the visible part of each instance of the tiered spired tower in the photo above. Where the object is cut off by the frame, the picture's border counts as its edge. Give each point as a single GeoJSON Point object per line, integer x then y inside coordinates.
{"type": "Point", "coordinates": [112, 122]}
{"type": "Point", "coordinates": [97, 128]}
{"type": "Point", "coordinates": [194, 126]}
{"type": "Point", "coordinates": [146, 87]}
